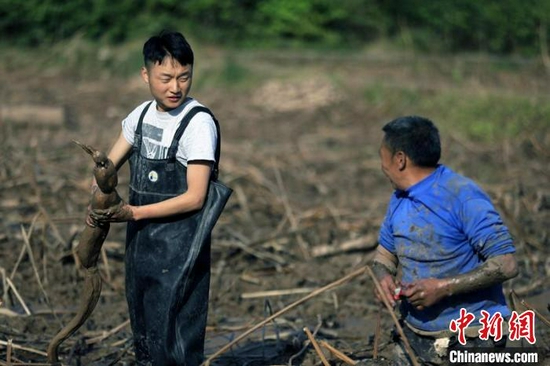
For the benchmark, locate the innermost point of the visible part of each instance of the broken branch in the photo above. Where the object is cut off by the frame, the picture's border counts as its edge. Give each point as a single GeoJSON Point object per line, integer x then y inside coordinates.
{"type": "Point", "coordinates": [316, 346]}
{"type": "Point", "coordinates": [397, 325]}
{"type": "Point", "coordinates": [338, 353]}
{"type": "Point", "coordinates": [317, 292]}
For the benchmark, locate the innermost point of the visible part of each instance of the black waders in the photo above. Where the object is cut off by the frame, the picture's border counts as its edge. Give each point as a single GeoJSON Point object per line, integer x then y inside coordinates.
{"type": "Point", "coordinates": [168, 260]}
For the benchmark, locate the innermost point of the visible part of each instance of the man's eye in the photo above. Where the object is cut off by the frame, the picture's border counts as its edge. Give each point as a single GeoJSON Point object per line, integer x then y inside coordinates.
{"type": "Point", "coordinates": [165, 80]}
{"type": "Point", "coordinates": [184, 78]}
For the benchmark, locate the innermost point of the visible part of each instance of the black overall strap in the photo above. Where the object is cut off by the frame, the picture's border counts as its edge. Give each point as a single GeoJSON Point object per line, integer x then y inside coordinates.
{"type": "Point", "coordinates": [137, 134]}
{"type": "Point", "coordinates": [179, 133]}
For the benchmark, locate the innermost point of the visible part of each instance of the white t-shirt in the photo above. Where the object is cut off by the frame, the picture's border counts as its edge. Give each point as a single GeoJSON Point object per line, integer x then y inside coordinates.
{"type": "Point", "coordinates": [197, 143]}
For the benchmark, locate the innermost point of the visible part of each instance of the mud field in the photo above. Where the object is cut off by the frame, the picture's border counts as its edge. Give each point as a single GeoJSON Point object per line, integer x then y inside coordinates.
{"type": "Point", "coordinates": [300, 149]}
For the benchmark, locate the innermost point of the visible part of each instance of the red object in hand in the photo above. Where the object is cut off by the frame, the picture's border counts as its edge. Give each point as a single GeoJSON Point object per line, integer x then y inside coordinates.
{"type": "Point", "coordinates": [397, 293]}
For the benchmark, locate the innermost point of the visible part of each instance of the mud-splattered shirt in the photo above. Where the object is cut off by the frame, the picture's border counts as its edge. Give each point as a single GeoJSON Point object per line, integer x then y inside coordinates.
{"type": "Point", "coordinates": [443, 226]}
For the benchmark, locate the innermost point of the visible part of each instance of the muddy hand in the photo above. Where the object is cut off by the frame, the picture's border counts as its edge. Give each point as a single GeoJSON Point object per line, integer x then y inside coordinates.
{"type": "Point", "coordinates": [89, 220]}
{"type": "Point", "coordinates": [388, 285]}
{"type": "Point", "coordinates": [424, 293]}
{"type": "Point", "coordinates": [93, 222]}
{"type": "Point", "coordinates": [118, 213]}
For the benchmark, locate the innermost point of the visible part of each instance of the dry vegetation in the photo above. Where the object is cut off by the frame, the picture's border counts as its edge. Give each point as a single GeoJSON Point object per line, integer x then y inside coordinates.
{"type": "Point", "coordinates": [300, 149]}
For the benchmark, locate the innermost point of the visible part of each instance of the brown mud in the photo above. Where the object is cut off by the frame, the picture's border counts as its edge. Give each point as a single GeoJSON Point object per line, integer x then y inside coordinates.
{"type": "Point", "coordinates": [301, 153]}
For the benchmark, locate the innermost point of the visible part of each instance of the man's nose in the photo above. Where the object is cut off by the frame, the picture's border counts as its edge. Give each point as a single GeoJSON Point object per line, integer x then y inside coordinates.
{"type": "Point", "coordinates": [174, 86]}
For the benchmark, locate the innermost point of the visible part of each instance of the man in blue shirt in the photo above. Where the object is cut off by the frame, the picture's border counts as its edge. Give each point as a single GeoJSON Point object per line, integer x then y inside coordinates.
{"type": "Point", "coordinates": [446, 240]}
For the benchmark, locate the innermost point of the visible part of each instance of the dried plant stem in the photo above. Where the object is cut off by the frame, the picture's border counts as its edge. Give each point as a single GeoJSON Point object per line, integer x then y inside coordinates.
{"type": "Point", "coordinates": [537, 313]}
{"type": "Point", "coordinates": [317, 292]}
{"type": "Point", "coordinates": [18, 296]}
{"type": "Point", "coordinates": [121, 342]}
{"type": "Point", "coordinates": [106, 335]}
{"type": "Point", "coordinates": [377, 333]}
{"type": "Point", "coordinates": [5, 287]}
{"type": "Point", "coordinates": [316, 346]}
{"type": "Point", "coordinates": [24, 247]}
{"type": "Point", "coordinates": [397, 325]}
{"type": "Point", "coordinates": [121, 354]}
{"type": "Point", "coordinates": [338, 353]}
{"type": "Point", "coordinates": [292, 291]}
{"type": "Point", "coordinates": [8, 352]}
{"type": "Point", "coordinates": [243, 202]}
{"type": "Point", "coordinates": [21, 348]}
{"type": "Point", "coordinates": [529, 307]}
{"type": "Point", "coordinates": [293, 221]}
{"type": "Point", "coordinates": [365, 242]}
{"type": "Point", "coordinates": [304, 347]}
{"type": "Point", "coordinates": [47, 219]}
{"type": "Point", "coordinates": [26, 239]}
{"type": "Point", "coordinates": [263, 255]}
{"type": "Point", "coordinates": [278, 234]}
{"type": "Point", "coordinates": [19, 259]}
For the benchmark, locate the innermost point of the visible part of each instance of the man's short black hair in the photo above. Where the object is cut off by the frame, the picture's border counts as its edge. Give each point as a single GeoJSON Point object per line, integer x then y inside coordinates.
{"type": "Point", "coordinates": [172, 44]}
{"type": "Point", "coordinates": [417, 137]}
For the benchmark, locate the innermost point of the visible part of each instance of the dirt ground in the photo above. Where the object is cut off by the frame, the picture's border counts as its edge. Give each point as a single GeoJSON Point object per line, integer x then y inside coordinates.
{"type": "Point", "coordinates": [300, 150]}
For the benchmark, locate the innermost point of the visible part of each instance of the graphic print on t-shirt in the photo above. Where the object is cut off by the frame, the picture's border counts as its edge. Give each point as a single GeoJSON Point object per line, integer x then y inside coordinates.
{"type": "Point", "coordinates": [198, 142]}
{"type": "Point", "coordinates": [152, 139]}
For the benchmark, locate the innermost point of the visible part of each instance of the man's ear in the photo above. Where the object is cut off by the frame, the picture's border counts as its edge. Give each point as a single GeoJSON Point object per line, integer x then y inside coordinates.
{"type": "Point", "coordinates": [401, 160]}
{"type": "Point", "coordinates": [144, 74]}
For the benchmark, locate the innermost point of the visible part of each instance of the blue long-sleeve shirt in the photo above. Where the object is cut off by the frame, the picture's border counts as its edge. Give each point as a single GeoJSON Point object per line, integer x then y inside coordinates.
{"type": "Point", "coordinates": [443, 226]}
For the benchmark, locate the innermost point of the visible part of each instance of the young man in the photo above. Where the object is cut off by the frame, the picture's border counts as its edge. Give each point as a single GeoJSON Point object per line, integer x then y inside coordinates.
{"type": "Point", "coordinates": [167, 251]}
{"type": "Point", "coordinates": [451, 246]}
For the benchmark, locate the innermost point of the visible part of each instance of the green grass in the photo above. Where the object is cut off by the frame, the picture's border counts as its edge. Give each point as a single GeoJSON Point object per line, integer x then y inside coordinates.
{"type": "Point", "coordinates": [226, 71]}
{"type": "Point", "coordinates": [493, 117]}
{"type": "Point", "coordinates": [478, 116]}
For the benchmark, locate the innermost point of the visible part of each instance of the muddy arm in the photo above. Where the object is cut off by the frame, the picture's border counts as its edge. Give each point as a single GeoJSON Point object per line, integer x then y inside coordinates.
{"type": "Point", "coordinates": [384, 267]}
{"type": "Point", "coordinates": [429, 291]}
{"type": "Point", "coordinates": [495, 270]}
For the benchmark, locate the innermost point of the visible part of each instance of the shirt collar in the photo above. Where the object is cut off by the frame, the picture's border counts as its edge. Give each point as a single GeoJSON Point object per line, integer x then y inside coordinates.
{"type": "Point", "coordinates": [420, 186]}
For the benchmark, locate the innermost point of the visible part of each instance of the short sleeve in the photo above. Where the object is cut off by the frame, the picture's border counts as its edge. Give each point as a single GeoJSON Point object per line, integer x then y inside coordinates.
{"type": "Point", "coordinates": [385, 237]}
{"type": "Point", "coordinates": [129, 130]}
{"type": "Point", "coordinates": [199, 139]}
{"type": "Point", "coordinates": [129, 124]}
{"type": "Point", "coordinates": [484, 228]}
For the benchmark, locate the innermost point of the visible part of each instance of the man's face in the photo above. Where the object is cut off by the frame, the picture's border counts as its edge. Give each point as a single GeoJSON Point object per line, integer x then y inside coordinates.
{"type": "Point", "coordinates": [389, 164]}
{"type": "Point", "coordinates": [169, 82]}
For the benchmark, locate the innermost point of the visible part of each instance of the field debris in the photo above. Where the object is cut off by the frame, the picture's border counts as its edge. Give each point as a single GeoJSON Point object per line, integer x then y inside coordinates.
{"type": "Point", "coordinates": [292, 248]}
